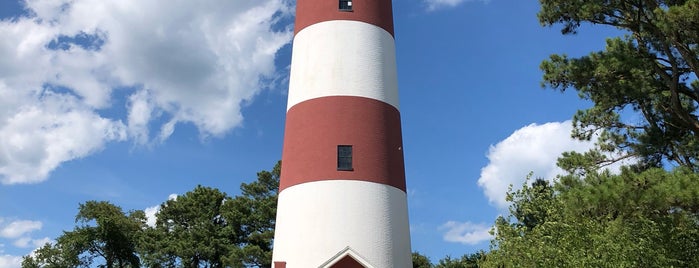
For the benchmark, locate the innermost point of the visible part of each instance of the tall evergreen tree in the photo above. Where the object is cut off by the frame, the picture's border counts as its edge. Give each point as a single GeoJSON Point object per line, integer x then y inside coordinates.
{"type": "Point", "coordinates": [650, 72]}
{"type": "Point", "coordinates": [190, 230]}
{"type": "Point", "coordinates": [253, 214]}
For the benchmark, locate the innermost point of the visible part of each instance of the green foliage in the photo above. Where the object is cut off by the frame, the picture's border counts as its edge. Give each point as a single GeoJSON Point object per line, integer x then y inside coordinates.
{"type": "Point", "coordinates": [113, 236]}
{"type": "Point", "coordinates": [104, 232]}
{"type": "Point", "coordinates": [253, 214]}
{"type": "Point", "coordinates": [190, 230]}
{"type": "Point", "coordinates": [205, 227]}
{"type": "Point", "coordinates": [533, 211]}
{"type": "Point", "coordinates": [649, 76]}
{"type": "Point", "coordinates": [421, 261]}
{"type": "Point", "coordinates": [466, 261]}
{"type": "Point", "coordinates": [647, 219]}
{"type": "Point", "coordinates": [201, 228]}
{"type": "Point", "coordinates": [52, 256]}
{"type": "Point", "coordinates": [645, 93]}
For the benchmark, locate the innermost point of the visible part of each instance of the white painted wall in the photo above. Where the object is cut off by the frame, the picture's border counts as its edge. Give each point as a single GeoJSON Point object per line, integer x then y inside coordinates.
{"type": "Point", "coordinates": [317, 220]}
{"type": "Point", "coordinates": [341, 57]}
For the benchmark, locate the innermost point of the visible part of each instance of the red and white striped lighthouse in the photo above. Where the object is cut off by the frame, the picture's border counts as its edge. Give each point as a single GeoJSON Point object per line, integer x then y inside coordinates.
{"type": "Point", "coordinates": [342, 197]}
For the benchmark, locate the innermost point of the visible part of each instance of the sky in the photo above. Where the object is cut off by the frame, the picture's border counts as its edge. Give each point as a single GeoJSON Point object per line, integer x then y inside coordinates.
{"type": "Point", "coordinates": [135, 102]}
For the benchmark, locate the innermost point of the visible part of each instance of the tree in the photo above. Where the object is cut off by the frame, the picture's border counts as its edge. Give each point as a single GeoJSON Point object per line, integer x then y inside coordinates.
{"type": "Point", "coordinates": [650, 72]}
{"type": "Point", "coordinates": [646, 219]}
{"type": "Point", "coordinates": [104, 232]}
{"type": "Point", "coordinates": [421, 261]}
{"type": "Point", "coordinates": [207, 228]}
{"type": "Point", "coordinates": [533, 212]}
{"type": "Point", "coordinates": [190, 231]}
{"type": "Point", "coordinates": [113, 236]}
{"type": "Point", "coordinates": [52, 256]}
{"type": "Point", "coordinates": [466, 261]}
{"type": "Point", "coordinates": [201, 228]}
{"type": "Point", "coordinates": [253, 215]}
{"type": "Point", "coordinates": [646, 216]}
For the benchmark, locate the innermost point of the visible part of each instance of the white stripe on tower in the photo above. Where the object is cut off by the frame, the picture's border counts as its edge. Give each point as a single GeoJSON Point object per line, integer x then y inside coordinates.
{"type": "Point", "coordinates": [317, 220]}
{"type": "Point", "coordinates": [365, 66]}
{"type": "Point", "coordinates": [343, 92]}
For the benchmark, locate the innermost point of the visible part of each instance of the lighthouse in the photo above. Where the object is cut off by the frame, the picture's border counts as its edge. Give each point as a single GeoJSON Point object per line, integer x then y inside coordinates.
{"type": "Point", "coordinates": [342, 194]}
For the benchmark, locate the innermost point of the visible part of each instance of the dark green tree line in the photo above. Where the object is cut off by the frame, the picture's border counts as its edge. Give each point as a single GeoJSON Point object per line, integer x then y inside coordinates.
{"type": "Point", "coordinates": [201, 228]}
{"type": "Point", "coordinates": [466, 261]}
{"type": "Point", "coordinates": [646, 219]}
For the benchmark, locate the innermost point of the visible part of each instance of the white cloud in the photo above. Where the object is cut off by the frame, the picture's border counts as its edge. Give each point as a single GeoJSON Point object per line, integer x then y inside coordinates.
{"type": "Point", "coordinates": [26, 242]}
{"type": "Point", "coordinates": [9, 261]}
{"type": "Point", "coordinates": [22, 242]}
{"type": "Point", "coordinates": [433, 5]}
{"type": "Point", "coordinates": [151, 211]}
{"type": "Point", "coordinates": [533, 148]}
{"type": "Point", "coordinates": [173, 62]}
{"type": "Point", "coordinates": [140, 113]}
{"type": "Point", "coordinates": [45, 132]}
{"type": "Point", "coordinates": [37, 243]}
{"type": "Point", "coordinates": [19, 228]}
{"type": "Point", "coordinates": [150, 215]}
{"type": "Point", "coordinates": [466, 232]}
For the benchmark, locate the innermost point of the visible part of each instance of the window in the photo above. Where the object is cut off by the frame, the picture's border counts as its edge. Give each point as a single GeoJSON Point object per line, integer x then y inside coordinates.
{"type": "Point", "coordinates": [344, 157]}
{"type": "Point", "coordinates": [346, 5]}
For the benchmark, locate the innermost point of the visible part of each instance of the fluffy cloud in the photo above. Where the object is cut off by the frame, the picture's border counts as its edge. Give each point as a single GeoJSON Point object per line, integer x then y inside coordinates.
{"type": "Point", "coordinates": [173, 62]}
{"type": "Point", "coordinates": [465, 232]}
{"type": "Point", "coordinates": [533, 148]}
{"type": "Point", "coordinates": [439, 4]}
{"type": "Point", "coordinates": [151, 211]}
{"type": "Point", "coordinates": [19, 228]}
{"type": "Point", "coordinates": [26, 242]}
{"type": "Point", "coordinates": [9, 261]}
{"type": "Point", "coordinates": [12, 261]}
{"type": "Point", "coordinates": [150, 215]}
{"type": "Point", "coordinates": [45, 132]}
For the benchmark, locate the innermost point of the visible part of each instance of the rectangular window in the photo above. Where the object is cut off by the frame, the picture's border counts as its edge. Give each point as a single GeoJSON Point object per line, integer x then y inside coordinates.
{"type": "Point", "coordinates": [344, 157]}
{"type": "Point", "coordinates": [346, 5]}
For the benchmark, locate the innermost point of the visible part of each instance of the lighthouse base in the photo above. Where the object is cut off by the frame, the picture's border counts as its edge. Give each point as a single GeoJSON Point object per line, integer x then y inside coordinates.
{"type": "Point", "coordinates": [321, 224]}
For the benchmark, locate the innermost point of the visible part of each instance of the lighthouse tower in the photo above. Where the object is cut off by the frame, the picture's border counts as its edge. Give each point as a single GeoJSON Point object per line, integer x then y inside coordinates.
{"type": "Point", "coordinates": [342, 198]}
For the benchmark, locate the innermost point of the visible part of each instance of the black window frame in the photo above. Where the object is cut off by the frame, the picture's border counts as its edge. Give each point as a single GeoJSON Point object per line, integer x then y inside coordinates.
{"type": "Point", "coordinates": [345, 5]}
{"type": "Point", "coordinates": [344, 158]}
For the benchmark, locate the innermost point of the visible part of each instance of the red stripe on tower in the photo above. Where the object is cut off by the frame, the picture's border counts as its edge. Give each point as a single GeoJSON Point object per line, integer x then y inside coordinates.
{"type": "Point", "coordinates": [378, 13]}
{"type": "Point", "coordinates": [318, 126]}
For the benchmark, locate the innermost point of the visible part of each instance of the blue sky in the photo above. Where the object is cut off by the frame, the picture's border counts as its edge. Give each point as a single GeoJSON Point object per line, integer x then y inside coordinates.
{"type": "Point", "coordinates": [133, 101]}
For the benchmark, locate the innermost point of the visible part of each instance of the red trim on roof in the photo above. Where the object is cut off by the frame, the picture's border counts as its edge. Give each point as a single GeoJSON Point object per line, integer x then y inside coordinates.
{"type": "Point", "coordinates": [347, 262]}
